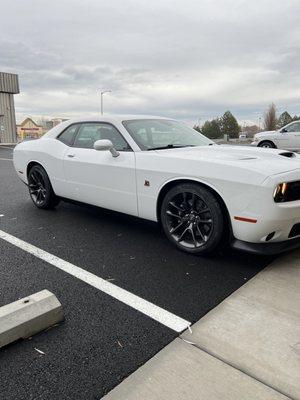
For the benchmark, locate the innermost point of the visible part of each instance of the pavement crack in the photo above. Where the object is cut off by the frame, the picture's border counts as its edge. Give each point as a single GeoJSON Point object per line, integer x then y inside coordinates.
{"type": "Point", "coordinates": [235, 367]}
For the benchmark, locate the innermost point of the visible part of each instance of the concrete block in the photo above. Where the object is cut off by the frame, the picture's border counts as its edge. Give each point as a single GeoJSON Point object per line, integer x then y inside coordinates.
{"type": "Point", "coordinates": [23, 318]}
{"type": "Point", "coordinates": [257, 328]}
{"type": "Point", "coordinates": [183, 372]}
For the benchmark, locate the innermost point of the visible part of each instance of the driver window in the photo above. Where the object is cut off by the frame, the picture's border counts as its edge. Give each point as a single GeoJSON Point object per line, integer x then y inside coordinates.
{"type": "Point", "coordinates": [297, 127]}
{"type": "Point", "coordinates": [293, 127]}
{"type": "Point", "coordinates": [90, 132]}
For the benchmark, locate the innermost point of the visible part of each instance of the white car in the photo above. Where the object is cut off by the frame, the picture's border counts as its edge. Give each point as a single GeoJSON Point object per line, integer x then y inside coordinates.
{"type": "Point", "coordinates": [162, 170]}
{"type": "Point", "coordinates": [287, 138]}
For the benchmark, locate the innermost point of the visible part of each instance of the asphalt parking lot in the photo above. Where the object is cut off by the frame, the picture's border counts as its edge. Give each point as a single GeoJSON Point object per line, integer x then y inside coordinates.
{"type": "Point", "coordinates": [102, 340]}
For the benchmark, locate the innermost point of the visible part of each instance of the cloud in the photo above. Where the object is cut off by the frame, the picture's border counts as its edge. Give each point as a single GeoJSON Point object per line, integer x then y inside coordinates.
{"type": "Point", "coordinates": [192, 59]}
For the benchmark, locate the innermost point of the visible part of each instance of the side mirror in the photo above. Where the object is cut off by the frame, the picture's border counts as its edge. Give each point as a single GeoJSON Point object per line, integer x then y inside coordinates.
{"type": "Point", "coordinates": [283, 130]}
{"type": "Point", "coordinates": [105, 144]}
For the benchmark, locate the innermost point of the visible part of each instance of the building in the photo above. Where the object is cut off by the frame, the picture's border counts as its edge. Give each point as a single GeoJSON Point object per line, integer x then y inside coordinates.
{"type": "Point", "coordinates": [28, 129]}
{"type": "Point", "coordinates": [48, 124]}
{"type": "Point", "coordinates": [9, 85]}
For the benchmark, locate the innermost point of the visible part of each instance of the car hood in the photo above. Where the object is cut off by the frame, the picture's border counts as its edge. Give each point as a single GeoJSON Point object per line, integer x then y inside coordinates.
{"type": "Point", "coordinates": [265, 133]}
{"type": "Point", "coordinates": [265, 161]}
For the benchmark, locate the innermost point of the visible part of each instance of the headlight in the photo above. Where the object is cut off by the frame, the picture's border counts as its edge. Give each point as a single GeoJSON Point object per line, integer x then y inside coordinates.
{"type": "Point", "coordinates": [287, 191]}
{"type": "Point", "coordinates": [279, 192]}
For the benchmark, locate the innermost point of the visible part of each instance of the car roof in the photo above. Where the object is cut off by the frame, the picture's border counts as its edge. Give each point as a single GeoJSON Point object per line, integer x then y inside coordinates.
{"type": "Point", "coordinates": [114, 118]}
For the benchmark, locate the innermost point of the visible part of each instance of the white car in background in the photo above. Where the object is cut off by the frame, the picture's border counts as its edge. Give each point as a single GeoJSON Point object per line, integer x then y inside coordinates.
{"type": "Point", "coordinates": [287, 138]}
{"type": "Point", "coordinates": [162, 170]}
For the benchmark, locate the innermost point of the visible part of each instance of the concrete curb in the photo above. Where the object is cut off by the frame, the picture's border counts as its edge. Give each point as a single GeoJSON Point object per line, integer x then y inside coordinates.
{"type": "Point", "coordinates": [245, 348]}
{"type": "Point", "coordinates": [23, 318]}
{"type": "Point", "coordinates": [182, 372]}
{"type": "Point", "coordinates": [257, 328]}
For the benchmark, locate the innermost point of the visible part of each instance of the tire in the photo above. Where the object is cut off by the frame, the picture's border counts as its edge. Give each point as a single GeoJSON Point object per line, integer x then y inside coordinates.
{"type": "Point", "coordinates": [40, 188]}
{"type": "Point", "coordinates": [267, 144]}
{"type": "Point", "coordinates": [192, 218]}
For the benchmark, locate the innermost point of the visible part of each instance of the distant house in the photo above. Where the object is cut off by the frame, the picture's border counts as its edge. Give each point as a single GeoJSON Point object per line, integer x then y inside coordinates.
{"type": "Point", "coordinates": [28, 129]}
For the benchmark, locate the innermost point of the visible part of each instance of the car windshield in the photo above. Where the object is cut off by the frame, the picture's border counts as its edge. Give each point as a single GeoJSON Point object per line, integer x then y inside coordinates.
{"type": "Point", "coordinates": [155, 134]}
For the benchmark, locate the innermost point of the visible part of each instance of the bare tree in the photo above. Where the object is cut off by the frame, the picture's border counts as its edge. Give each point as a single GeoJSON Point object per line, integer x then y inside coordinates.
{"type": "Point", "coordinates": [270, 120]}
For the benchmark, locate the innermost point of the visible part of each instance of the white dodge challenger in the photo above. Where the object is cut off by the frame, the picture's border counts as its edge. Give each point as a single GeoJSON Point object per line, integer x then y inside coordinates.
{"type": "Point", "coordinates": [162, 170]}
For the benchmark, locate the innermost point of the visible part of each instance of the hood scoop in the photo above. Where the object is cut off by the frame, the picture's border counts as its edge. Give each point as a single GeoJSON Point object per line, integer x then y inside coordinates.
{"type": "Point", "coordinates": [288, 154]}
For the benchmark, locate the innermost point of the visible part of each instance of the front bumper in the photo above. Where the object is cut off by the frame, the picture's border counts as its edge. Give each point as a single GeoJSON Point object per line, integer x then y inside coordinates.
{"type": "Point", "coordinates": [266, 248]}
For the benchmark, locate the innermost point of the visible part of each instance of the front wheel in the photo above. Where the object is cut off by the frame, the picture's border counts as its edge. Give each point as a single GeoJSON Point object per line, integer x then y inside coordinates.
{"type": "Point", "coordinates": [192, 219]}
{"type": "Point", "coordinates": [267, 144]}
{"type": "Point", "coordinates": [40, 188]}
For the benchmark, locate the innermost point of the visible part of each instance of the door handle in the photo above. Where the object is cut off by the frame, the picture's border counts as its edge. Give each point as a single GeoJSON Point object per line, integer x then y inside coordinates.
{"type": "Point", "coordinates": [71, 155]}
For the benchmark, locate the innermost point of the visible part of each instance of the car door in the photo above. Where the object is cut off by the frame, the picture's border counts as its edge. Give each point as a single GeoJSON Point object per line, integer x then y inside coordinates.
{"type": "Point", "coordinates": [96, 177]}
{"type": "Point", "coordinates": [292, 134]}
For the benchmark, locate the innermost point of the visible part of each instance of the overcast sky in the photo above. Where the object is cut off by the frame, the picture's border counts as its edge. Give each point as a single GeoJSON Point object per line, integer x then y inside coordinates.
{"type": "Point", "coordinates": [182, 58]}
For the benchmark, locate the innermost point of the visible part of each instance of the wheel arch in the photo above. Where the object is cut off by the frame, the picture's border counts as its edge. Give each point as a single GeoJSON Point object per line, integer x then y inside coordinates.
{"type": "Point", "coordinates": [35, 162]}
{"type": "Point", "coordinates": [174, 182]}
{"type": "Point", "coordinates": [31, 164]}
{"type": "Point", "coordinates": [268, 141]}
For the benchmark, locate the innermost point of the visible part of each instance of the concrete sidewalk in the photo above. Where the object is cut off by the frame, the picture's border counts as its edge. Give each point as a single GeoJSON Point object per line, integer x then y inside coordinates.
{"type": "Point", "coordinates": [246, 348]}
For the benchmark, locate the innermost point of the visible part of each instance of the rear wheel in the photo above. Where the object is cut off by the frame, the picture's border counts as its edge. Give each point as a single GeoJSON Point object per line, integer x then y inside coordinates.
{"type": "Point", "coordinates": [40, 188]}
{"type": "Point", "coordinates": [267, 144]}
{"type": "Point", "coordinates": [192, 219]}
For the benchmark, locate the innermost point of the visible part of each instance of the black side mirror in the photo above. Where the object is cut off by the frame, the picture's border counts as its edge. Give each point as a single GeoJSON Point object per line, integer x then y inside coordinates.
{"type": "Point", "coordinates": [283, 130]}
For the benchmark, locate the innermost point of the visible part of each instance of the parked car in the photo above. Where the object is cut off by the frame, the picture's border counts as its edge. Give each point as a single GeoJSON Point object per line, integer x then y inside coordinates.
{"type": "Point", "coordinates": [287, 138]}
{"type": "Point", "coordinates": [242, 137]}
{"type": "Point", "coordinates": [162, 170]}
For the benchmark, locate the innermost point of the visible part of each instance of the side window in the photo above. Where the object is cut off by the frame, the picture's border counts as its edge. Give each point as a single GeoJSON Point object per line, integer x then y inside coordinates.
{"type": "Point", "coordinates": [90, 132]}
{"type": "Point", "coordinates": [293, 127]}
{"type": "Point", "coordinates": [68, 135]}
{"type": "Point", "coordinates": [297, 127]}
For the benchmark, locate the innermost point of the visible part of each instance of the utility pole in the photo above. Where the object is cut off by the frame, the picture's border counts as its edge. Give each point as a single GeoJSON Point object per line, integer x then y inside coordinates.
{"type": "Point", "coordinates": [102, 93]}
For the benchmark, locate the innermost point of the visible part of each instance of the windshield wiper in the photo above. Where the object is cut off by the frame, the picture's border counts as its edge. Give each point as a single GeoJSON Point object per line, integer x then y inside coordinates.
{"type": "Point", "coordinates": [171, 146]}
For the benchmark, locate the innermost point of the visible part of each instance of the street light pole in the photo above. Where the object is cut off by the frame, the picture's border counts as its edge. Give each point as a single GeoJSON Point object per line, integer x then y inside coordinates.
{"type": "Point", "coordinates": [102, 93]}
{"type": "Point", "coordinates": [259, 122]}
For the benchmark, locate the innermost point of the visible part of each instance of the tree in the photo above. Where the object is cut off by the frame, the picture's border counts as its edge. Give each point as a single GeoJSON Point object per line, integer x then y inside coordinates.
{"type": "Point", "coordinates": [296, 118]}
{"type": "Point", "coordinates": [211, 129]}
{"type": "Point", "coordinates": [284, 119]}
{"type": "Point", "coordinates": [229, 125]}
{"type": "Point", "coordinates": [270, 119]}
{"type": "Point", "coordinates": [216, 128]}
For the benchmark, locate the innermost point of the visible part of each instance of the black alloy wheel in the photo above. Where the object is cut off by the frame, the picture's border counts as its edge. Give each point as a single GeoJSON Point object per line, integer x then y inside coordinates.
{"type": "Point", "coordinates": [40, 188]}
{"type": "Point", "coordinates": [192, 218]}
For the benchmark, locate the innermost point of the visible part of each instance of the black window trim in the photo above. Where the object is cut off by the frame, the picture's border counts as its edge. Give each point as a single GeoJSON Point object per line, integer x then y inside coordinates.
{"type": "Point", "coordinates": [105, 123]}
{"type": "Point", "coordinates": [91, 122]}
{"type": "Point", "coordinates": [69, 126]}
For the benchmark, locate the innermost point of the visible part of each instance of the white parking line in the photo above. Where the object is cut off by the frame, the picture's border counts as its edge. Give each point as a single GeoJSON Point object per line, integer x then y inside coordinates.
{"type": "Point", "coordinates": [6, 159]}
{"type": "Point", "coordinates": [151, 310]}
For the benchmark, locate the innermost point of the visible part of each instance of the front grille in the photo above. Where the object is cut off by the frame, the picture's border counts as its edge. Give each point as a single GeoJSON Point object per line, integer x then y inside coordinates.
{"type": "Point", "coordinates": [295, 231]}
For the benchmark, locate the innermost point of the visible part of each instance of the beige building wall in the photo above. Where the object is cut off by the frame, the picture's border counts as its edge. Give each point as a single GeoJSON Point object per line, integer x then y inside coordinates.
{"type": "Point", "coordinates": [28, 129]}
